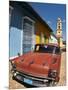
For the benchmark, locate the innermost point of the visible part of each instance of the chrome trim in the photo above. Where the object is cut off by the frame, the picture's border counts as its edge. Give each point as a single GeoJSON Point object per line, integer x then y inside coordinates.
{"type": "Point", "coordinates": [37, 82]}
{"type": "Point", "coordinates": [34, 78]}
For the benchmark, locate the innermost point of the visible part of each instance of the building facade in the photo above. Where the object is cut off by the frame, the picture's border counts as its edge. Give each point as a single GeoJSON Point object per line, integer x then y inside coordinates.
{"type": "Point", "coordinates": [42, 33]}
{"type": "Point", "coordinates": [53, 39]}
{"type": "Point", "coordinates": [26, 28]}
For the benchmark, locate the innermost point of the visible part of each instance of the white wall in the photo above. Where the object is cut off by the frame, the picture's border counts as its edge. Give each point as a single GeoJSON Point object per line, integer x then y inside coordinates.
{"type": "Point", "coordinates": [52, 39]}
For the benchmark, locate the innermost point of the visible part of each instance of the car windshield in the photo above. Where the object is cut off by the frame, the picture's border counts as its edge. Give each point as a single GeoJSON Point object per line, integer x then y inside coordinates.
{"type": "Point", "coordinates": [47, 49]}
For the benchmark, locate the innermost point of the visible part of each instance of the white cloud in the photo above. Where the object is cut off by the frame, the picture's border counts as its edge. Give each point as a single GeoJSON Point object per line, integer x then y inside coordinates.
{"type": "Point", "coordinates": [49, 22]}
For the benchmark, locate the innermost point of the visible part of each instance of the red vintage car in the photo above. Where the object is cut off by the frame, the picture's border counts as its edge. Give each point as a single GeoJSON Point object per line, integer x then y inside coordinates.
{"type": "Point", "coordinates": [40, 67]}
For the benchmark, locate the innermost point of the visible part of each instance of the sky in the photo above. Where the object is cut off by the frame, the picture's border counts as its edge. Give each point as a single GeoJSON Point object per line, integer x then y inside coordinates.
{"type": "Point", "coordinates": [50, 13]}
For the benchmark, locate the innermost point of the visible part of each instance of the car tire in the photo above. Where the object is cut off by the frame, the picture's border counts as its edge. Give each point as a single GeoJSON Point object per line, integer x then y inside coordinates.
{"type": "Point", "coordinates": [13, 77]}
{"type": "Point", "coordinates": [52, 83]}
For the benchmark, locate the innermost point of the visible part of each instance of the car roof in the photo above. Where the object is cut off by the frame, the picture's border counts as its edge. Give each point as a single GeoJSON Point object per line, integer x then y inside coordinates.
{"type": "Point", "coordinates": [51, 44]}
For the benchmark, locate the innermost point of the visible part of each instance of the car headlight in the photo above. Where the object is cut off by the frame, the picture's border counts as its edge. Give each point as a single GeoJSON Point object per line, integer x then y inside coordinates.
{"type": "Point", "coordinates": [13, 64]}
{"type": "Point", "coordinates": [53, 73]}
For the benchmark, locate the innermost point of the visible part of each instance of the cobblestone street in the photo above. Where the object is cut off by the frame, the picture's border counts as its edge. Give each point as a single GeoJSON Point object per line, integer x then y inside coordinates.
{"type": "Point", "coordinates": [13, 84]}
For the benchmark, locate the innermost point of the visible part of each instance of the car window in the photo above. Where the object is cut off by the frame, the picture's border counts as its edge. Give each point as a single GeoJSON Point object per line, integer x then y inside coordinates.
{"type": "Point", "coordinates": [44, 48]}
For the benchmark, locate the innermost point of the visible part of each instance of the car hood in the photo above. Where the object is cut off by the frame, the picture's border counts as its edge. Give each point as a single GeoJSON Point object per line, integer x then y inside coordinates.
{"type": "Point", "coordinates": [36, 64]}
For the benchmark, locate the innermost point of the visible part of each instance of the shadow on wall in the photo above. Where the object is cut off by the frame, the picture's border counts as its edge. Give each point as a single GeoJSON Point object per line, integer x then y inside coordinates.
{"type": "Point", "coordinates": [16, 17]}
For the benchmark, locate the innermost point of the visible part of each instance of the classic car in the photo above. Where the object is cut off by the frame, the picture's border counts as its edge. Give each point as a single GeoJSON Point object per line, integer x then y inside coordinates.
{"type": "Point", "coordinates": [40, 67]}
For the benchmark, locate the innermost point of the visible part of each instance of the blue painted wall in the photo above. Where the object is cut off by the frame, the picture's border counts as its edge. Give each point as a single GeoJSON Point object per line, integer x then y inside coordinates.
{"type": "Point", "coordinates": [15, 31]}
{"type": "Point", "coordinates": [15, 41]}
{"type": "Point", "coordinates": [16, 25]}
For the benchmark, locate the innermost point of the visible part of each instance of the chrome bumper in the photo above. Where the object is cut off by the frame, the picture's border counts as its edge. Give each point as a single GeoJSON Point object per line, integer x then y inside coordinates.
{"type": "Point", "coordinates": [35, 81]}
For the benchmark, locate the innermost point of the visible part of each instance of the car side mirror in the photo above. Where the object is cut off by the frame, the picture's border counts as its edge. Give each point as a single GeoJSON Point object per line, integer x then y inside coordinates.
{"type": "Point", "coordinates": [18, 54]}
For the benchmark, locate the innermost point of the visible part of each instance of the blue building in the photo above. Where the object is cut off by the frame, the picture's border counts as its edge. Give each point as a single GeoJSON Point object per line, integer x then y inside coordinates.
{"type": "Point", "coordinates": [21, 21]}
